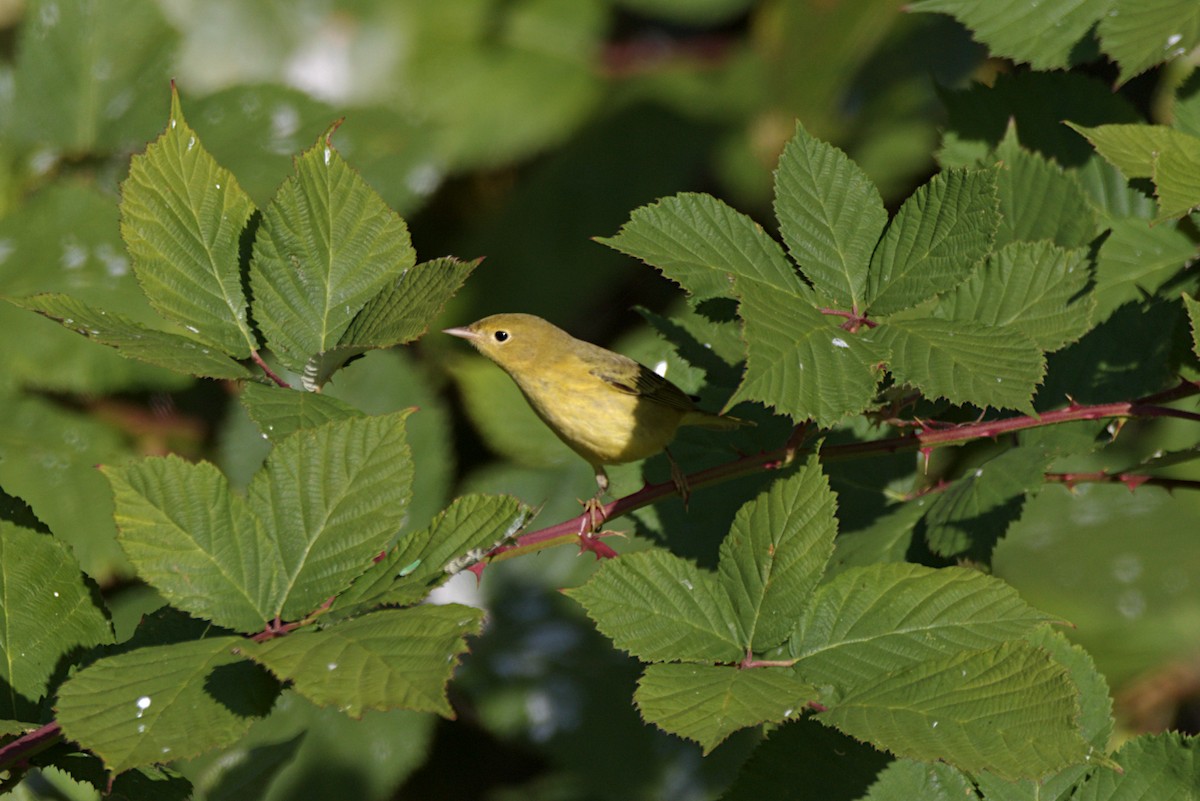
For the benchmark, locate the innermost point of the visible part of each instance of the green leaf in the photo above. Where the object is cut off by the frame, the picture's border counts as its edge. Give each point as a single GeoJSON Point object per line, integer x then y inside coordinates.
{"type": "Point", "coordinates": [707, 703]}
{"type": "Point", "coordinates": [326, 247]}
{"type": "Point", "coordinates": [887, 539]}
{"type": "Point", "coordinates": [871, 621]}
{"type": "Point", "coordinates": [964, 363]}
{"type": "Point", "coordinates": [1161, 766]}
{"type": "Point", "coordinates": [1130, 148]}
{"type": "Point", "coordinates": [67, 238]}
{"type": "Point", "coordinates": [398, 314]}
{"type": "Point", "coordinates": [48, 457]}
{"type": "Point", "coordinates": [280, 412]}
{"type": "Point", "coordinates": [1095, 723]}
{"type": "Point", "coordinates": [16, 511]}
{"type": "Point", "coordinates": [403, 310]}
{"type": "Point", "coordinates": [394, 380]}
{"type": "Point", "coordinates": [905, 779]}
{"type": "Point", "coordinates": [133, 340]}
{"type": "Point", "coordinates": [163, 703]}
{"type": "Point", "coordinates": [1039, 200]}
{"type": "Point", "coordinates": [1170, 157]}
{"type": "Point", "coordinates": [327, 501]}
{"type": "Point", "coordinates": [1177, 179]}
{"type": "Point", "coordinates": [1036, 288]}
{"type": "Point", "coordinates": [1137, 259]}
{"type": "Point", "coordinates": [712, 348]}
{"type": "Point", "coordinates": [48, 612]}
{"type": "Point", "coordinates": [703, 245]}
{"type": "Point", "coordinates": [393, 659]}
{"type": "Point", "coordinates": [1193, 310]}
{"type": "Point", "coordinates": [1185, 113]}
{"type": "Point", "coordinates": [502, 416]}
{"type": "Point", "coordinates": [380, 751]}
{"type": "Point", "coordinates": [959, 519]}
{"type": "Point", "coordinates": [1009, 709]}
{"type": "Point", "coordinates": [801, 362]}
{"type": "Point", "coordinates": [803, 753]}
{"type": "Point", "coordinates": [195, 541]}
{"type": "Point", "coordinates": [1043, 34]}
{"type": "Point", "coordinates": [830, 216]}
{"type": "Point", "coordinates": [1138, 34]}
{"type": "Point", "coordinates": [182, 217]}
{"type": "Point", "coordinates": [157, 782]}
{"type": "Point", "coordinates": [699, 242]}
{"type": "Point", "coordinates": [500, 86]}
{"type": "Point", "coordinates": [331, 498]}
{"type": "Point", "coordinates": [659, 607]}
{"type": "Point", "coordinates": [939, 236]}
{"type": "Point", "coordinates": [775, 553]}
{"type": "Point", "coordinates": [470, 526]}
{"type": "Point", "coordinates": [89, 76]}
{"type": "Point", "coordinates": [1036, 103]}
{"type": "Point", "coordinates": [1110, 192]}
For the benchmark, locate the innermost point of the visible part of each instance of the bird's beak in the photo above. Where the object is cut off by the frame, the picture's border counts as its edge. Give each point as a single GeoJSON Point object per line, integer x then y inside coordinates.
{"type": "Point", "coordinates": [463, 333]}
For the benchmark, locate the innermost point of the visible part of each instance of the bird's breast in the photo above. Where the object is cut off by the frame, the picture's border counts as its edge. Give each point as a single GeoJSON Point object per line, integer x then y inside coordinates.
{"type": "Point", "coordinates": [602, 424]}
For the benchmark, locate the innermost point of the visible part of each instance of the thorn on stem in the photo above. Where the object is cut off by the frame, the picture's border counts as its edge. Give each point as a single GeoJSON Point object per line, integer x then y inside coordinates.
{"type": "Point", "coordinates": [590, 542]}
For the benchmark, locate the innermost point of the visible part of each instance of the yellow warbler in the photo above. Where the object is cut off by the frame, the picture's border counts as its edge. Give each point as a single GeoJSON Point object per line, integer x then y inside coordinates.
{"type": "Point", "coordinates": [606, 407]}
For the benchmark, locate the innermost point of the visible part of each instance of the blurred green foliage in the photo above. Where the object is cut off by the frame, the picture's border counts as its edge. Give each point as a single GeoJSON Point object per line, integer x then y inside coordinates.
{"type": "Point", "coordinates": [516, 130]}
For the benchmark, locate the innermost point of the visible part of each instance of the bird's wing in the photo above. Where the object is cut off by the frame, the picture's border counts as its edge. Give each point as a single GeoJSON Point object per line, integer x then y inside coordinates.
{"type": "Point", "coordinates": [628, 376]}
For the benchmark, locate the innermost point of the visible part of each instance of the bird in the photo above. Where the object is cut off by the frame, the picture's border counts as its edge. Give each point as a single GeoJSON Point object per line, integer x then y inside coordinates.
{"type": "Point", "coordinates": [606, 407]}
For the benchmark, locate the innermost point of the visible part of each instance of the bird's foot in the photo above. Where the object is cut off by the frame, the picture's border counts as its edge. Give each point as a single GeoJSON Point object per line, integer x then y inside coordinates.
{"type": "Point", "coordinates": [593, 516]}
{"type": "Point", "coordinates": [679, 479]}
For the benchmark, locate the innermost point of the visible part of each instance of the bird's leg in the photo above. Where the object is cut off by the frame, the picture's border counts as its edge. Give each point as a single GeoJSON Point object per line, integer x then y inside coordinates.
{"type": "Point", "coordinates": [593, 508]}
{"type": "Point", "coordinates": [679, 479]}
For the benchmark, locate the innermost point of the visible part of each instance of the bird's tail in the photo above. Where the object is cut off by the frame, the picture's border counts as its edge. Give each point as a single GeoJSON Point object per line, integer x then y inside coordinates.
{"type": "Point", "coordinates": [720, 422]}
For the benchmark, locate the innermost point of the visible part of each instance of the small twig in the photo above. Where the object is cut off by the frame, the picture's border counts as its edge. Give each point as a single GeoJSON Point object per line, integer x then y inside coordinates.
{"type": "Point", "coordinates": [749, 663]}
{"type": "Point", "coordinates": [29, 744]}
{"type": "Point", "coordinates": [854, 319]}
{"type": "Point", "coordinates": [1130, 480]}
{"type": "Point", "coordinates": [266, 368]}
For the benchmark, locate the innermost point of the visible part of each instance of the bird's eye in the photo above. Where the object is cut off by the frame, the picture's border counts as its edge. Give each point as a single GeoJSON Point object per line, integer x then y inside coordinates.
{"type": "Point", "coordinates": [501, 336]}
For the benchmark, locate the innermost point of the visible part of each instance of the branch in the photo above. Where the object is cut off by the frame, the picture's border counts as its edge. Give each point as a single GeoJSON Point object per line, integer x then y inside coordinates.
{"type": "Point", "coordinates": [933, 435]}
{"type": "Point", "coordinates": [266, 368]}
{"type": "Point", "coordinates": [576, 529]}
{"type": "Point", "coordinates": [924, 438]}
{"type": "Point", "coordinates": [20, 750]}
{"type": "Point", "coordinates": [1130, 480]}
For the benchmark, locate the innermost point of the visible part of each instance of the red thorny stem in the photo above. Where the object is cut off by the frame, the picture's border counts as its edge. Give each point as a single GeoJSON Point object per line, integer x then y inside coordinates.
{"type": "Point", "coordinates": [924, 438]}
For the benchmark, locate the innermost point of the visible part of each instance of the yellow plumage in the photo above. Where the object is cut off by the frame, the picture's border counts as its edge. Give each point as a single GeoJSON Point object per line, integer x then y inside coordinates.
{"type": "Point", "coordinates": [606, 407]}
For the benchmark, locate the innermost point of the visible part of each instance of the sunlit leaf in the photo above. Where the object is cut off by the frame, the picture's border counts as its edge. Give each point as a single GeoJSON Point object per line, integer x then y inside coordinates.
{"type": "Point", "coordinates": [1009, 709]}
{"type": "Point", "coordinates": [164, 702]}
{"type": "Point", "coordinates": [659, 607]}
{"type": "Point", "coordinates": [393, 659]}
{"type": "Point", "coordinates": [707, 703]}
{"type": "Point", "coordinates": [871, 621]}
{"type": "Point", "coordinates": [182, 217]}
{"type": "Point", "coordinates": [133, 340]}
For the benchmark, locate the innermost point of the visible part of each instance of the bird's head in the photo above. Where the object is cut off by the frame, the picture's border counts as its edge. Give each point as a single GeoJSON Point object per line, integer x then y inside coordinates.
{"type": "Point", "coordinates": [514, 341]}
